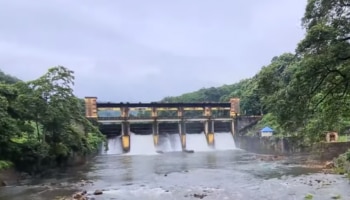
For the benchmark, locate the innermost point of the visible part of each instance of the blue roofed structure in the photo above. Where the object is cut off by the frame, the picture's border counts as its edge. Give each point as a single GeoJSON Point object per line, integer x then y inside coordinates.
{"type": "Point", "coordinates": [266, 132]}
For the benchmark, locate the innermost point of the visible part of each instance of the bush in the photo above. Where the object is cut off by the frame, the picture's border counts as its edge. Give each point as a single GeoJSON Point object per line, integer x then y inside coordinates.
{"type": "Point", "coordinates": [4, 164]}
{"type": "Point", "coordinates": [94, 141]}
{"type": "Point", "coordinates": [30, 155]}
{"type": "Point", "coordinates": [342, 163]}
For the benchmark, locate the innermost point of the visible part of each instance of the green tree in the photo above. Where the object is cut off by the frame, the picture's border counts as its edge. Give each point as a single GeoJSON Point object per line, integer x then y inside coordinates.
{"type": "Point", "coordinates": [326, 51]}
{"type": "Point", "coordinates": [316, 98]}
{"type": "Point", "coordinates": [42, 123]}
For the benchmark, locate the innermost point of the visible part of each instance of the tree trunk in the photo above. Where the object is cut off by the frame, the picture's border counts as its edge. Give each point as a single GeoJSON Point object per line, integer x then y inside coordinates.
{"type": "Point", "coordinates": [37, 129]}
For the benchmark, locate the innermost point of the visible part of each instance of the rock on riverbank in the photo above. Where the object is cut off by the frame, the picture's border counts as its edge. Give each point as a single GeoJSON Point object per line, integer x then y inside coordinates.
{"type": "Point", "coordinates": [11, 177]}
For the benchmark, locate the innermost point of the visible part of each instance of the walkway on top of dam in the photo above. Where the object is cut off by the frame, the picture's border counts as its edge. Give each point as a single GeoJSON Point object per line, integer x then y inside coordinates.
{"type": "Point", "coordinates": [163, 105]}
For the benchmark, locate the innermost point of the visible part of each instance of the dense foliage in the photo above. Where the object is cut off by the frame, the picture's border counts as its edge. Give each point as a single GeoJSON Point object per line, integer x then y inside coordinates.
{"type": "Point", "coordinates": [342, 163]}
{"type": "Point", "coordinates": [41, 121]}
{"type": "Point", "coordinates": [305, 93]}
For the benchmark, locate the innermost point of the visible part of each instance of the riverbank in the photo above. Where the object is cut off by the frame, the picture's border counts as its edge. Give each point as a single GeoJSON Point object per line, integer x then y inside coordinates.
{"type": "Point", "coordinates": [8, 175]}
{"type": "Point", "coordinates": [11, 176]}
{"type": "Point", "coordinates": [211, 175]}
{"type": "Point", "coordinates": [341, 164]}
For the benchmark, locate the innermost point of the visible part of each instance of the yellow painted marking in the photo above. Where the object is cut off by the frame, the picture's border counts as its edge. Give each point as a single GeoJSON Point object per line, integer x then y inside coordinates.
{"type": "Point", "coordinates": [126, 142]}
{"type": "Point", "coordinates": [155, 140]}
{"type": "Point", "coordinates": [183, 140]}
{"type": "Point", "coordinates": [210, 138]}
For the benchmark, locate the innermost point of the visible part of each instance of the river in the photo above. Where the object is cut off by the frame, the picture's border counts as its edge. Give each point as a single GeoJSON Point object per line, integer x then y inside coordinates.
{"type": "Point", "coordinates": [222, 173]}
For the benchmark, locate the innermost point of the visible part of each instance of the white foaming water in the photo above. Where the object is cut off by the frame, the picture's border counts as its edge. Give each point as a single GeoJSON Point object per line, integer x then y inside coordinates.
{"type": "Point", "coordinates": [197, 142]}
{"type": "Point", "coordinates": [224, 141]}
{"type": "Point", "coordinates": [141, 145]}
{"type": "Point", "coordinates": [169, 143]}
{"type": "Point", "coordinates": [114, 146]}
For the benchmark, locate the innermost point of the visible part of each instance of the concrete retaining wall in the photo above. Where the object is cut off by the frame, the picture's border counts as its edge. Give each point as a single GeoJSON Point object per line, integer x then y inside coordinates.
{"type": "Point", "coordinates": [291, 146]}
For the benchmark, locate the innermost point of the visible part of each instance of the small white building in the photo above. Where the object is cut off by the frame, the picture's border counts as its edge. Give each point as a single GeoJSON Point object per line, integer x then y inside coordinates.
{"type": "Point", "coordinates": [266, 132]}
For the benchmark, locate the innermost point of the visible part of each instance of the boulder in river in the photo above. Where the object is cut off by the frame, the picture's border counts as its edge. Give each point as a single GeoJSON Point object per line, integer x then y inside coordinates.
{"type": "Point", "coordinates": [188, 151]}
{"type": "Point", "coordinates": [200, 196]}
{"type": "Point", "coordinates": [329, 165]}
{"type": "Point", "coordinates": [80, 195]}
{"type": "Point", "coordinates": [98, 192]}
{"type": "Point", "coordinates": [3, 183]}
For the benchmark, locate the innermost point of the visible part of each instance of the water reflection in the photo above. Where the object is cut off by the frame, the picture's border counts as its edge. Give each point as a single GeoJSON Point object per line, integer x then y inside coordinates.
{"type": "Point", "coordinates": [127, 165]}
{"type": "Point", "coordinates": [211, 160]}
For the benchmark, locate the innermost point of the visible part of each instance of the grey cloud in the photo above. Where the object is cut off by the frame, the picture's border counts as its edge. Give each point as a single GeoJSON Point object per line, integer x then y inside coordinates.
{"type": "Point", "coordinates": [144, 50]}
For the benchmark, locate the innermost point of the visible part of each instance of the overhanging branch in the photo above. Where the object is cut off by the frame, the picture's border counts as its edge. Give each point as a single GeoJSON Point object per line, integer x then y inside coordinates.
{"type": "Point", "coordinates": [344, 39]}
{"type": "Point", "coordinates": [330, 91]}
{"type": "Point", "coordinates": [337, 71]}
{"type": "Point", "coordinates": [320, 83]}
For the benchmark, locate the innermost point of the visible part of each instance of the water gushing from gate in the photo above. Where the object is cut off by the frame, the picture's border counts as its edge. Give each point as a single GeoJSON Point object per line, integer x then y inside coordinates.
{"type": "Point", "coordinates": [143, 144]}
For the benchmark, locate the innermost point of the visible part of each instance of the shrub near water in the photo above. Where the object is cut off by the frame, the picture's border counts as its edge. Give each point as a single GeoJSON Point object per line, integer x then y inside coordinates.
{"type": "Point", "coordinates": [5, 164]}
{"type": "Point", "coordinates": [342, 163]}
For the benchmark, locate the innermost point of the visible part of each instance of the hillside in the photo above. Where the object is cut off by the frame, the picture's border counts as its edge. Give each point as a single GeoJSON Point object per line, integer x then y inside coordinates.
{"type": "Point", "coordinates": [8, 79]}
{"type": "Point", "coordinates": [305, 93]}
{"type": "Point", "coordinates": [283, 93]}
{"type": "Point", "coordinates": [245, 89]}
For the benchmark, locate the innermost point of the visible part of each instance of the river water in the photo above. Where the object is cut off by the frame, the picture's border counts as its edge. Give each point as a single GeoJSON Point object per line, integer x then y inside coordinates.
{"type": "Point", "coordinates": [221, 173]}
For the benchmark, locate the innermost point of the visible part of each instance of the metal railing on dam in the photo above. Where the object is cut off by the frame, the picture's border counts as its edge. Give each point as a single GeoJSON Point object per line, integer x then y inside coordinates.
{"type": "Point", "coordinates": [108, 120]}
{"type": "Point", "coordinates": [156, 113]}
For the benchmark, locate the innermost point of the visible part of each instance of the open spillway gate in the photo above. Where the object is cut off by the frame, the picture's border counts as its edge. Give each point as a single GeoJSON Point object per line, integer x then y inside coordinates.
{"type": "Point", "coordinates": [156, 113]}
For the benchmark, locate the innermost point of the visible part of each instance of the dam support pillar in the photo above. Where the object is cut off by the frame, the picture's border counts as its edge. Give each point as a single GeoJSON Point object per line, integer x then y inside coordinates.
{"type": "Point", "coordinates": [125, 137]}
{"type": "Point", "coordinates": [234, 126]}
{"type": "Point", "coordinates": [182, 128]}
{"type": "Point", "coordinates": [209, 127]}
{"type": "Point", "coordinates": [155, 127]}
{"type": "Point", "coordinates": [209, 132]}
{"type": "Point", "coordinates": [234, 113]}
{"type": "Point", "coordinates": [155, 132]}
{"type": "Point", "coordinates": [182, 132]}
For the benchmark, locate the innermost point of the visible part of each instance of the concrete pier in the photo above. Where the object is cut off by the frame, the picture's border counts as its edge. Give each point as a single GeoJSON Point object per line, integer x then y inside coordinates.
{"type": "Point", "coordinates": [209, 132]}
{"type": "Point", "coordinates": [182, 127]}
{"type": "Point", "coordinates": [155, 132]}
{"type": "Point", "coordinates": [125, 137]}
{"type": "Point", "coordinates": [209, 126]}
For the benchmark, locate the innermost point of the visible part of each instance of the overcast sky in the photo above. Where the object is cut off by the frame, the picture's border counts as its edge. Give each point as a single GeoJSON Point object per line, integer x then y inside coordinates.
{"type": "Point", "coordinates": [144, 50]}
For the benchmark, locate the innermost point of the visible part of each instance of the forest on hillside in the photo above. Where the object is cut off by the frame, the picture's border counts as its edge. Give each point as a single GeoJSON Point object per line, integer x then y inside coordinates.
{"type": "Point", "coordinates": [304, 93]}
{"type": "Point", "coordinates": [42, 124]}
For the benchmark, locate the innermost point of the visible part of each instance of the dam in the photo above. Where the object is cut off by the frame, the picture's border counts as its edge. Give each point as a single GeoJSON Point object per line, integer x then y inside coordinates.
{"type": "Point", "coordinates": [167, 119]}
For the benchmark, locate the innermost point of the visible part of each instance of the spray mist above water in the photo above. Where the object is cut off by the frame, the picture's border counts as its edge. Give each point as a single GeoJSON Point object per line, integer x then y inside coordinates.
{"type": "Point", "coordinates": [143, 144]}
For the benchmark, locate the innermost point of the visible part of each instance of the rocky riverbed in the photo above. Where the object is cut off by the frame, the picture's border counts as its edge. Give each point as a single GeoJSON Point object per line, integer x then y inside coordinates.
{"type": "Point", "coordinates": [202, 175]}
{"type": "Point", "coordinates": [209, 174]}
